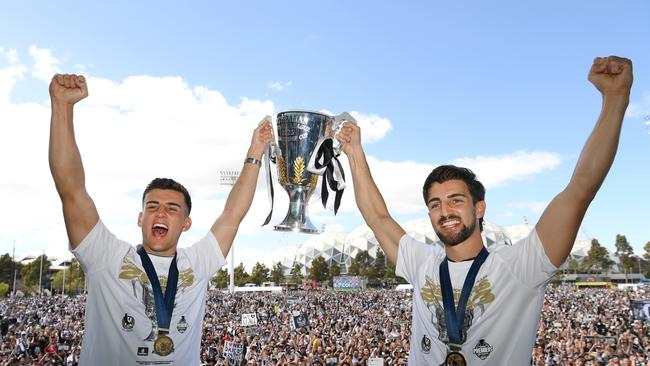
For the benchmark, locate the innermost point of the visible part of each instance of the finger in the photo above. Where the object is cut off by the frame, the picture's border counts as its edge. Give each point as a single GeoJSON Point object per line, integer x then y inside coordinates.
{"type": "Point", "coordinates": [599, 65]}
{"type": "Point", "coordinates": [79, 80]}
{"type": "Point", "coordinates": [60, 79]}
{"type": "Point", "coordinates": [266, 119]}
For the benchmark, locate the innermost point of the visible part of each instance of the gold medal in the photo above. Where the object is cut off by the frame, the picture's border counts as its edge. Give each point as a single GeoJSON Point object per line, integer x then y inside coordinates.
{"type": "Point", "coordinates": [164, 345]}
{"type": "Point", "coordinates": [455, 359]}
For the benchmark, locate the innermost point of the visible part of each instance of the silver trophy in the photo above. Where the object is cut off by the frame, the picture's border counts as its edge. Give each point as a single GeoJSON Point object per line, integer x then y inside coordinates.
{"type": "Point", "coordinates": [305, 138]}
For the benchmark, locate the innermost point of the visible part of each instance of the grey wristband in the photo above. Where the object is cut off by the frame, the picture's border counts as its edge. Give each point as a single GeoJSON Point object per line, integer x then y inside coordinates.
{"type": "Point", "coordinates": [253, 161]}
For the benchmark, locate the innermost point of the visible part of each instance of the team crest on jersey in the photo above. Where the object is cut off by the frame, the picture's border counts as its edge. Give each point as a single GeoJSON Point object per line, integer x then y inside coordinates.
{"type": "Point", "coordinates": [182, 325]}
{"type": "Point", "coordinates": [142, 290]}
{"type": "Point", "coordinates": [480, 297]}
{"type": "Point", "coordinates": [483, 349]}
{"type": "Point", "coordinates": [128, 322]}
{"type": "Point", "coordinates": [425, 344]}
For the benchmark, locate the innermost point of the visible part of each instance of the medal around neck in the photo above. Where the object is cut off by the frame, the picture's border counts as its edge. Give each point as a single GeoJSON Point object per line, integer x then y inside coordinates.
{"type": "Point", "coordinates": [304, 150]}
{"type": "Point", "coordinates": [163, 345]}
{"type": "Point", "coordinates": [455, 359]}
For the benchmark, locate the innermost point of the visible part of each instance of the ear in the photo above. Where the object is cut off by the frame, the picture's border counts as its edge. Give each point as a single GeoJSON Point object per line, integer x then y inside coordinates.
{"type": "Point", "coordinates": [480, 209]}
{"type": "Point", "coordinates": [187, 224]}
{"type": "Point", "coordinates": [140, 219]}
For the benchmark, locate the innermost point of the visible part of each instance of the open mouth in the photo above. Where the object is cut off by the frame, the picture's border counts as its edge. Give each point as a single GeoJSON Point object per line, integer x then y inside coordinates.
{"type": "Point", "coordinates": [159, 230]}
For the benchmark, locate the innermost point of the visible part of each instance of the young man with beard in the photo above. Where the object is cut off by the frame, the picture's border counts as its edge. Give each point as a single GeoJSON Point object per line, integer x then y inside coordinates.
{"type": "Point", "coordinates": [470, 307]}
{"type": "Point", "coordinates": [146, 303]}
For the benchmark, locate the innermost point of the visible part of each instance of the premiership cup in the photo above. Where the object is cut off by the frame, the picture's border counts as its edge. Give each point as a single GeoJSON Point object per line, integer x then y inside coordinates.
{"type": "Point", "coordinates": [301, 136]}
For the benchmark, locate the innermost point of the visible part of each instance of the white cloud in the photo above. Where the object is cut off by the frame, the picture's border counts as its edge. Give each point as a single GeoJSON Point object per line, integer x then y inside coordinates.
{"type": "Point", "coordinates": [640, 108]}
{"type": "Point", "coordinates": [278, 86]}
{"type": "Point", "coordinates": [494, 171]}
{"type": "Point", "coordinates": [9, 75]}
{"type": "Point", "coordinates": [535, 207]}
{"type": "Point", "coordinates": [373, 127]}
{"type": "Point", "coordinates": [44, 63]}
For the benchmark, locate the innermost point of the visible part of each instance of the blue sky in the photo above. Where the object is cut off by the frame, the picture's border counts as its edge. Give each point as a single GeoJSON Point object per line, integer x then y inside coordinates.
{"type": "Point", "coordinates": [176, 89]}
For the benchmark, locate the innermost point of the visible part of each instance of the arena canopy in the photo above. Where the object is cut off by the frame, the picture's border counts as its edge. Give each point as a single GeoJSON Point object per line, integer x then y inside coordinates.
{"type": "Point", "coordinates": [340, 248]}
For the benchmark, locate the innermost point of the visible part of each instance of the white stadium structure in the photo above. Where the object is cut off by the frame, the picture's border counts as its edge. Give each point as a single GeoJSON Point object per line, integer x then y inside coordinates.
{"type": "Point", "coordinates": [341, 248]}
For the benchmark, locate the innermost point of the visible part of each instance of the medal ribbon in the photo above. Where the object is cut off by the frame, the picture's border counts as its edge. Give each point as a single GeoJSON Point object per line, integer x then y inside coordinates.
{"type": "Point", "coordinates": [164, 303]}
{"type": "Point", "coordinates": [325, 162]}
{"type": "Point", "coordinates": [454, 317]}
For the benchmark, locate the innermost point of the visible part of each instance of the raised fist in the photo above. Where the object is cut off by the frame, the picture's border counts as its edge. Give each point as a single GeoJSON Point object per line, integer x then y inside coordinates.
{"type": "Point", "coordinates": [68, 88]}
{"type": "Point", "coordinates": [611, 75]}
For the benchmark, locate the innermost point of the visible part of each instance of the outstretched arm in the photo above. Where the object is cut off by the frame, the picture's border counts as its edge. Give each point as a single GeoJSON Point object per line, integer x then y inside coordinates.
{"type": "Point", "coordinates": [369, 199]}
{"type": "Point", "coordinates": [79, 212]}
{"type": "Point", "coordinates": [241, 196]}
{"type": "Point", "coordinates": [559, 224]}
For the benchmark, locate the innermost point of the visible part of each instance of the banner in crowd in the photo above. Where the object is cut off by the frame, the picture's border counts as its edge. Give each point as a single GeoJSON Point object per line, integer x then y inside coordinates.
{"type": "Point", "coordinates": [375, 361]}
{"type": "Point", "coordinates": [641, 309]}
{"type": "Point", "coordinates": [248, 319]}
{"type": "Point", "coordinates": [347, 282]}
{"type": "Point", "coordinates": [233, 350]}
{"type": "Point", "coordinates": [299, 320]}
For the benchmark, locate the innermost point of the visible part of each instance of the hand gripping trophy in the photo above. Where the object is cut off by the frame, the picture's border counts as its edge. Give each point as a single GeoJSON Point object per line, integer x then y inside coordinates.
{"type": "Point", "coordinates": [305, 150]}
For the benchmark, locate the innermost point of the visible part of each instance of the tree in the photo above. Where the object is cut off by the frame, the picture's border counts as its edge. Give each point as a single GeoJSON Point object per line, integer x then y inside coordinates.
{"type": "Point", "coordinates": [241, 276]}
{"type": "Point", "coordinates": [597, 258]}
{"type": "Point", "coordinates": [74, 279]}
{"type": "Point", "coordinates": [4, 289]}
{"type": "Point", "coordinates": [379, 267]}
{"type": "Point", "coordinates": [646, 249]}
{"type": "Point", "coordinates": [6, 269]}
{"type": "Point", "coordinates": [296, 273]}
{"type": "Point", "coordinates": [277, 273]}
{"type": "Point", "coordinates": [259, 274]}
{"type": "Point", "coordinates": [625, 252]}
{"type": "Point", "coordinates": [30, 273]}
{"type": "Point", "coordinates": [319, 269]}
{"type": "Point", "coordinates": [364, 260]}
{"type": "Point", "coordinates": [222, 278]}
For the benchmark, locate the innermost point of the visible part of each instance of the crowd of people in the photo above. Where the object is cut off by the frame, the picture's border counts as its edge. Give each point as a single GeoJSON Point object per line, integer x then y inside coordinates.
{"type": "Point", "coordinates": [593, 326]}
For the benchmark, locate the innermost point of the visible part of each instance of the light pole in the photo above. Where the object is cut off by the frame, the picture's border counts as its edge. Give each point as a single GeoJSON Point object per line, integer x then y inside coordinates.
{"type": "Point", "coordinates": [228, 178]}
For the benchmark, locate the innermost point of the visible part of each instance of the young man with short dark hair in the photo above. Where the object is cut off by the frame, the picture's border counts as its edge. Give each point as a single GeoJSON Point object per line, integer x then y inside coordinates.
{"type": "Point", "coordinates": [146, 303]}
{"type": "Point", "coordinates": [471, 307]}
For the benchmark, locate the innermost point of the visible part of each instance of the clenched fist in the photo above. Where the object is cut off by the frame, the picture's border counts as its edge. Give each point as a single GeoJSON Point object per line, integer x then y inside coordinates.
{"type": "Point", "coordinates": [68, 88]}
{"type": "Point", "coordinates": [612, 75]}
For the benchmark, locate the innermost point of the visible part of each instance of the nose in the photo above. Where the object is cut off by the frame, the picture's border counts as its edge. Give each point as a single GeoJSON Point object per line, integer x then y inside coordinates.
{"type": "Point", "coordinates": [160, 211]}
{"type": "Point", "coordinates": [444, 209]}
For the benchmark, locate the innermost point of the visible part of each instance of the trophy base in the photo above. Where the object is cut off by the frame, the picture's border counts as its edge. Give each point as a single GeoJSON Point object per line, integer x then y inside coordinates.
{"type": "Point", "coordinates": [296, 219]}
{"type": "Point", "coordinates": [305, 227]}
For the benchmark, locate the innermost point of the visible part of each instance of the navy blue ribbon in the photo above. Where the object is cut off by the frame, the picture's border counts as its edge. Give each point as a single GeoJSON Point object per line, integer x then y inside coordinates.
{"type": "Point", "coordinates": [164, 303]}
{"type": "Point", "coordinates": [455, 316]}
{"type": "Point", "coordinates": [325, 158]}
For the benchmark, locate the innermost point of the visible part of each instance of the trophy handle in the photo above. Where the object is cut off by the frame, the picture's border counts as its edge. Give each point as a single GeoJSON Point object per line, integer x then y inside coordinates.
{"type": "Point", "coordinates": [338, 123]}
